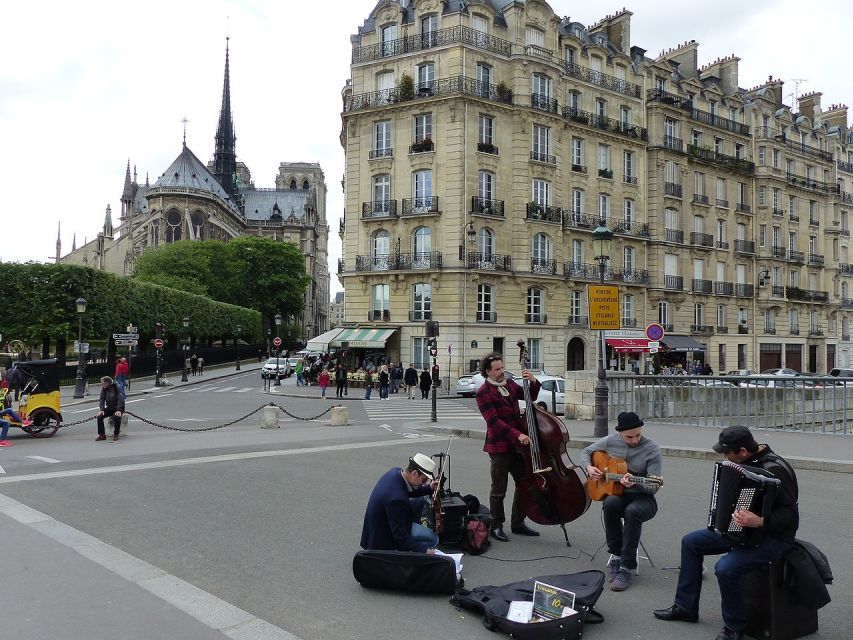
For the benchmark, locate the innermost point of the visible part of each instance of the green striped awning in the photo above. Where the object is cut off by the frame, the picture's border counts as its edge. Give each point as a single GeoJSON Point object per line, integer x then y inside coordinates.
{"type": "Point", "coordinates": [362, 338]}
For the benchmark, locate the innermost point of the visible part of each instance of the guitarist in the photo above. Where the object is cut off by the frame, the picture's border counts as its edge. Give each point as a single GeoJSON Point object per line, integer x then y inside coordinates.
{"type": "Point", "coordinates": [637, 503]}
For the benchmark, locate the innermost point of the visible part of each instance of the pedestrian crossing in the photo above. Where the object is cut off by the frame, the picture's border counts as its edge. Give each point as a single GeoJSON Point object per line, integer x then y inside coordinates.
{"type": "Point", "coordinates": [403, 409]}
{"type": "Point", "coordinates": [213, 388]}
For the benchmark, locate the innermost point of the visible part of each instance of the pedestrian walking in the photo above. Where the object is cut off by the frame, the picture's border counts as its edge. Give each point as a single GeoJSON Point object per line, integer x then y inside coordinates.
{"type": "Point", "coordinates": [368, 384]}
{"type": "Point", "coordinates": [194, 363]}
{"type": "Point", "coordinates": [340, 380]}
{"type": "Point", "coordinates": [426, 383]}
{"type": "Point", "coordinates": [395, 377]}
{"type": "Point", "coordinates": [121, 374]}
{"type": "Point", "coordinates": [410, 379]}
{"type": "Point", "coordinates": [200, 365]}
{"type": "Point", "coordinates": [298, 371]}
{"type": "Point", "coordinates": [384, 382]}
{"type": "Point", "coordinates": [323, 380]}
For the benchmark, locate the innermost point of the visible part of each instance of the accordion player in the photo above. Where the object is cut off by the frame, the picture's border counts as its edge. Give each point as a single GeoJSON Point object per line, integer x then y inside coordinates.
{"type": "Point", "coordinates": [736, 487]}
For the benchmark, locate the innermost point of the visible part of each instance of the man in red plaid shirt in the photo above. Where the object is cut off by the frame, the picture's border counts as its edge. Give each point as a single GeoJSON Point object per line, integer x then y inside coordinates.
{"type": "Point", "coordinates": [497, 400]}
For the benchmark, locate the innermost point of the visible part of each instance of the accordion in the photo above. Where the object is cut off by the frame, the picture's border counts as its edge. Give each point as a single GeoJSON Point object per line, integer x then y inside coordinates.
{"type": "Point", "coordinates": [736, 487]}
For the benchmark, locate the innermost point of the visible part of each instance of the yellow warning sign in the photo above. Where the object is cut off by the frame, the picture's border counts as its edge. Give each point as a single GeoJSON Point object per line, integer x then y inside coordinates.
{"type": "Point", "coordinates": [603, 306]}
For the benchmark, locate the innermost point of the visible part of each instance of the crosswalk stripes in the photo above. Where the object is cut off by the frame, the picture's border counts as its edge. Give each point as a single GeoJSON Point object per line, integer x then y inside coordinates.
{"type": "Point", "coordinates": [402, 409]}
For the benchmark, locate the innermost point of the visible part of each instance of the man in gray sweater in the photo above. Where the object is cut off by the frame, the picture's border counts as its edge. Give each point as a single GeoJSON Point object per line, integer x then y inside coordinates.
{"type": "Point", "coordinates": [637, 503]}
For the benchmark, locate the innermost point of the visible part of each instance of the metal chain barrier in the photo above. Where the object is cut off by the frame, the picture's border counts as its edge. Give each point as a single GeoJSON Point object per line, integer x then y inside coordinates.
{"type": "Point", "coordinates": [72, 424]}
{"type": "Point", "coordinates": [319, 415]}
{"type": "Point", "coordinates": [221, 426]}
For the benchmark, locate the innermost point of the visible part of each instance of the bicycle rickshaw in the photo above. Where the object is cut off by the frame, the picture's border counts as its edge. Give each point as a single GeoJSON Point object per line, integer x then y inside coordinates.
{"type": "Point", "coordinates": [39, 397]}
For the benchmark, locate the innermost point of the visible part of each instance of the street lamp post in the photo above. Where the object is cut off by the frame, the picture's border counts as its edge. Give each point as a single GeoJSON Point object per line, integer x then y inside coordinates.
{"type": "Point", "coordinates": [239, 329]}
{"type": "Point", "coordinates": [186, 323]}
{"type": "Point", "coordinates": [277, 349]}
{"type": "Point", "coordinates": [602, 238]}
{"type": "Point", "coordinates": [80, 381]}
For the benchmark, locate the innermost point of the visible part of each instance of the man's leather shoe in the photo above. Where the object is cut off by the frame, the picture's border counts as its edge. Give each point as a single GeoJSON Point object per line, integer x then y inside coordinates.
{"type": "Point", "coordinates": [498, 534]}
{"type": "Point", "coordinates": [100, 438]}
{"type": "Point", "coordinates": [524, 530]}
{"type": "Point", "coordinates": [676, 613]}
{"type": "Point", "coordinates": [728, 634]}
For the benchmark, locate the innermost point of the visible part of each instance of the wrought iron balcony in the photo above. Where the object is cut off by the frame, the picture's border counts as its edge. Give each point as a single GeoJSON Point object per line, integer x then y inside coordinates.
{"type": "Point", "coordinates": [419, 206]}
{"type": "Point", "coordinates": [845, 337]}
{"type": "Point", "coordinates": [724, 288]}
{"type": "Point", "coordinates": [701, 199]}
{"type": "Point", "coordinates": [724, 204]}
{"type": "Point", "coordinates": [778, 212]}
{"type": "Point", "coordinates": [804, 182]}
{"type": "Point", "coordinates": [777, 291]}
{"type": "Point", "coordinates": [383, 315]}
{"type": "Point", "coordinates": [706, 117]}
{"type": "Point", "coordinates": [844, 166]}
{"type": "Point", "coordinates": [544, 213]}
{"type": "Point", "coordinates": [742, 329]}
{"type": "Point", "coordinates": [340, 265]}
{"type": "Point", "coordinates": [702, 286]}
{"type": "Point", "coordinates": [418, 42]}
{"type": "Point", "coordinates": [672, 189]}
{"type": "Point", "coordinates": [793, 216]}
{"type": "Point", "coordinates": [631, 276]}
{"type": "Point", "coordinates": [845, 268]}
{"type": "Point", "coordinates": [630, 179]}
{"type": "Point", "coordinates": [744, 246]}
{"type": "Point", "coordinates": [795, 293]}
{"type": "Point", "coordinates": [702, 240]}
{"type": "Point", "coordinates": [701, 329]}
{"type": "Point", "coordinates": [814, 222]}
{"type": "Point", "coordinates": [578, 115]}
{"type": "Point", "coordinates": [420, 315]}
{"type": "Point", "coordinates": [606, 124]}
{"type": "Point", "coordinates": [483, 206]}
{"type": "Point", "coordinates": [629, 228]}
{"type": "Point", "coordinates": [379, 209]}
{"type": "Point", "coordinates": [544, 102]}
{"type": "Point", "coordinates": [674, 235]}
{"type": "Point", "coordinates": [776, 134]}
{"type": "Point", "coordinates": [538, 156]}
{"type": "Point", "coordinates": [544, 266]}
{"type": "Point", "coordinates": [794, 331]}
{"type": "Point", "coordinates": [816, 260]}
{"type": "Point", "coordinates": [489, 261]}
{"type": "Point", "coordinates": [730, 162]}
{"type": "Point", "coordinates": [580, 220]}
{"type": "Point", "coordinates": [422, 146]}
{"type": "Point", "coordinates": [797, 257]}
{"type": "Point", "coordinates": [743, 207]}
{"type": "Point", "coordinates": [676, 144]}
{"type": "Point", "coordinates": [847, 303]}
{"type": "Point", "coordinates": [722, 329]}
{"type": "Point", "coordinates": [744, 290]}
{"type": "Point", "coordinates": [454, 85]}
{"type": "Point", "coordinates": [664, 97]}
{"type": "Point", "coordinates": [778, 252]}
{"type": "Point", "coordinates": [487, 147]}
{"type": "Point", "coordinates": [815, 331]}
{"type": "Point", "coordinates": [722, 244]}
{"type": "Point", "coordinates": [400, 261]}
{"type": "Point", "coordinates": [629, 322]}
{"type": "Point", "coordinates": [380, 153]}
{"type": "Point", "coordinates": [578, 321]}
{"type": "Point", "coordinates": [843, 196]}
{"type": "Point", "coordinates": [668, 327]}
{"type": "Point", "coordinates": [341, 226]}
{"type": "Point", "coordinates": [578, 168]}
{"type": "Point", "coordinates": [487, 316]}
{"type": "Point", "coordinates": [605, 173]}
{"type": "Point", "coordinates": [536, 318]}
{"type": "Point", "coordinates": [673, 283]}
{"type": "Point", "coordinates": [770, 330]}
{"type": "Point", "coordinates": [583, 271]}
{"type": "Point", "coordinates": [602, 79]}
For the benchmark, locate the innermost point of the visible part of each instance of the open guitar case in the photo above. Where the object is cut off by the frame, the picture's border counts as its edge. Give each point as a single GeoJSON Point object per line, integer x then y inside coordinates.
{"type": "Point", "coordinates": [493, 602]}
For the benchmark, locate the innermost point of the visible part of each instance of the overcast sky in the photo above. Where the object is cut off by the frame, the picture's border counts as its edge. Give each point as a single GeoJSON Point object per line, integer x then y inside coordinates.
{"type": "Point", "coordinates": [85, 86]}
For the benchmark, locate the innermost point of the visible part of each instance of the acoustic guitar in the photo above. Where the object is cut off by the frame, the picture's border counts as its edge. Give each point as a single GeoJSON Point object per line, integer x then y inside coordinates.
{"type": "Point", "coordinates": [614, 470]}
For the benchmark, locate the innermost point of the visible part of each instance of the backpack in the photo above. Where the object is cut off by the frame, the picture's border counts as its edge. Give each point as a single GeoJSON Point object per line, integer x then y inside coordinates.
{"type": "Point", "coordinates": [476, 540]}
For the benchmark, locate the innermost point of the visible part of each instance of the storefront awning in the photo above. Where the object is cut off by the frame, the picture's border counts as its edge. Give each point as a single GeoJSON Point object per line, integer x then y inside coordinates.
{"type": "Point", "coordinates": [362, 338]}
{"type": "Point", "coordinates": [631, 345]}
{"type": "Point", "coordinates": [682, 343]}
{"type": "Point", "coordinates": [321, 342]}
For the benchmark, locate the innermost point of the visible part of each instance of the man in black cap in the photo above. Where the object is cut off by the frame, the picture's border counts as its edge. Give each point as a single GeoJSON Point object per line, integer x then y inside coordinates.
{"type": "Point", "coordinates": [737, 444]}
{"type": "Point", "coordinates": [395, 506]}
{"type": "Point", "coordinates": [637, 503]}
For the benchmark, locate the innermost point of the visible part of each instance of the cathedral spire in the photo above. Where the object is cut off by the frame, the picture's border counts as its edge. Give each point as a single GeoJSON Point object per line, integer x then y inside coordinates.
{"type": "Point", "coordinates": [225, 155]}
{"type": "Point", "coordinates": [58, 241]}
{"type": "Point", "coordinates": [108, 223]}
{"type": "Point", "coordinates": [127, 192]}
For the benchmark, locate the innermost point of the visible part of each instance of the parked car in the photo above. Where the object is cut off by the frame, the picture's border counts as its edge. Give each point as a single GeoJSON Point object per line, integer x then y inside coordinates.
{"type": "Point", "coordinates": [841, 373]}
{"type": "Point", "coordinates": [467, 386]}
{"type": "Point", "coordinates": [273, 365]}
{"type": "Point", "coordinates": [779, 372]}
{"type": "Point", "coordinates": [742, 372]}
{"type": "Point", "coordinates": [551, 395]}
{"type": "Point", "coordinates": [762, 380]}
{"type": "Point", "coordinates": [707, 383]}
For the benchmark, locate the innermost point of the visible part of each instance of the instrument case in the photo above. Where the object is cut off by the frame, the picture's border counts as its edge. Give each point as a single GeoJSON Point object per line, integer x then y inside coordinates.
{"type": "Point", "coordinates": [493, 602]}
{"type": "Point", "coordinates": [408, 571]}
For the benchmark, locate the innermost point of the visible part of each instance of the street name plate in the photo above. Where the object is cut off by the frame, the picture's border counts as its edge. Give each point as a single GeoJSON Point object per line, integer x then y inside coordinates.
{"type": "Point", "coordinates": [125, 336]}
{"type": "Point", "coordinates": [603, 306]}
{"type": "Point", "coordinates": [126, 343]}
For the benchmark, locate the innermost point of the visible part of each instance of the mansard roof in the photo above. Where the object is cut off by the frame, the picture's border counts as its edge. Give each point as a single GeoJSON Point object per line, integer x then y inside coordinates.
{"type": "Point", "coordinates": [261, 204]}
{"type": "Point", "coordinates": [449, 7]}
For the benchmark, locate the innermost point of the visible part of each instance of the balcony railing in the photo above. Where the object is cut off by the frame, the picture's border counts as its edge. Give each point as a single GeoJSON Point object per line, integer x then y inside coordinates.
{"type": "Point", "coordinates": [668, 327]}
{"type": "Point", "coordinates": [724, 288]}
{"type": "Point", "coordinates": [536, 318]}
{"type": "Point", "coordinates": [489, 261]}
{"type": "Point", "coordinates": [815, 331]}
{"type": "Point", "coordinates": [664, 97]}
{"type": "Point", "coordinates": [702, 240]}
{"type": "Point", "coordinates": [714, 120]}
{"type": "Point", "coordinates": [544, 102]}
{"type": "Point", "coordinates": [701, 199]}
{"type": "Point", "coordinates": [742, 329]}
{"type": "Point", "coordinates": [701, 329]}
{"type": "Point", "coordinates": [580, 220]}
{"type": "Point", "coordinates": [845, 268]}
{"type": "Point", "coordinates": [744, 246]}
{"type": "Point", "coordinates": [380, 153]}
{"type": "Point", "coordinates": [630, 276]}
{"type": "Point", "coordinates": [543, 266]}
{"type": "Point", "coordinates": [538, 52]}
{"type": "Point", "coordinates": [605, 173]}
{"type": "Point", "coordinates": [483, 206]}
{"type": "Point", "coordinates": [377, 315]}
{"type": "Point", "coordinates": [845, 337]}
{"type": "Point", "coordinates": [794, 331]}
{"type": "Point", "coordinates": [744, 290]}
{"type": "Point", "coordinates": [799, 147]}
{"type": "Point", "coordinates": [777, 252]}
{"type": "Point", "coordinates": [487, 147]}
{"type": "Point", "coordinates": [816, 260]}
{"type": "Point", "coordinates": [722, 329]}
{"type": "Point", "coordinates": [777, 291]}
{"type": "Point", "coordinates": [544, 213]}
{"type": "Point", "coordinates": [674, 235]}
{"type": "Point", "coordinates": [418, 206]}
{"type": "Point", "coordinates": [797, 257]}
{"type": "Point", "coordinates": [729, 162]}
{"type": "Point", "coordinates": [805, 182]}
{"type": "Point", "coordinates": [795, 293]}
{"type": "Point", "coordinates": [602, 79]}
{"type": "Point", "coordinates": [487, 316]}
{"type": "Point", "coordinates": [814, 222]}
{"type": "Point", "coordinates": [844, 166]}
{"type": "Point", "coordinates": [582, 271]}
{"type": "Point", "coordinates": [778, 212]}
{"type": "Point", "coordinates": [340, 265]}
{"type": "Point", "coordinates": [452, 35]}
{"type": "Point", "coordinates": [847, 303]}
{"type": "Point", "coordinates": [454, 85]}
{"type": "Point", "coordinates": [672, 189]}
{"type": "Point", "coordinates": [578, 321]}
{"type": "Point", "coordinates": [417, 316]}
{"type": "Point", "coordinates": [743, 207]}
{"type": "Point", "coordinates": [538, 156]}
{"type": "Point", "coordinates": [379, 209]}
{"type": "Point", "coordinates": [702, 286]}
{"type": "Point", "coordinates": [722, 244]}
{"type": "Point", "coordinates": [770, 330]}
{"type": "Point", "coordinates": [676, 144]}
{"type": "Point", "coordinates": [578, 168]}
{"type": "Point", "coordinates": [673, 283]}
{"type": "Point", "coordinates": [629, 228]}
{"type": "Point", "coordinates": [793, 216]}
{"type": "Point", "coordinates": [630, 179]}
{"type": "Point", "coordinates": [399, 261]}
{"type": "Point", "coordinates": [422, 146]}
{"type": "Point", "coordinates": [723, 204]}
{"type": "Point", "coordinates": [342, 225]}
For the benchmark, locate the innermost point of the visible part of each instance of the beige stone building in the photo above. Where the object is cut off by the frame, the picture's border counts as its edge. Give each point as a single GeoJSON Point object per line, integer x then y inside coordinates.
{"type": "Point", "coordinates": [484, 142]}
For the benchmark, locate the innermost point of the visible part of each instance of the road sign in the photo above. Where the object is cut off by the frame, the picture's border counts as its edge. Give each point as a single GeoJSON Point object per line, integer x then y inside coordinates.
{"type": "Point", "coordinates": [132, 329]}
{"type": "Point", "coordinates": [125, 336]}
{"type": "Point", "coordinates": [77, 347]}
{"type": "Point", "coordinates": [126, 343]}
{"type": "Point", "coordinates": [654, 345]}
{"type": "Point", "coordinates": [603, 306]}
{"type": "Point", "coordinates": [655, 332]}
{"type": "Point", "coordinates": [158, 343]}
{"type": "Point", "coordinates": [276, 341]}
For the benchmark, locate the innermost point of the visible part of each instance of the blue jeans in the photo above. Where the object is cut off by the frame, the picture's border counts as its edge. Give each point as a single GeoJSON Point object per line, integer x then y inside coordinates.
{"type": "Point", "coordinates": [120, 381]}
{"type": "Point", "coordinates": [730, 569]}
{"type": "Point", "coordinates": [383, 391]}
{"type": "Point", "coordinates": [367, 391]}
{"type": "Point", "coordinates": [623, 539]}
{"type": "Point", "coordinates": [5, 424]}
{"type": "Point", "coordinates": [419, 531]}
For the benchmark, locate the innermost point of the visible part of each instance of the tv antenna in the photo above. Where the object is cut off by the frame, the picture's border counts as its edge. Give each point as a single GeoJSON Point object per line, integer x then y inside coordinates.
{"type": "Point", "coordinates": [795, 94]}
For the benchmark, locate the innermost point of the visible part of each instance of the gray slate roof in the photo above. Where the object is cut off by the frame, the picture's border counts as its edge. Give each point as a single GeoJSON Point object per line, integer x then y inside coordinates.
{"type": "Point", "coordinates": [259, 204]}
{"type": "Point", "coordinates": [450, 7]}
{"type": "Point", "coordinates": [187, 171]}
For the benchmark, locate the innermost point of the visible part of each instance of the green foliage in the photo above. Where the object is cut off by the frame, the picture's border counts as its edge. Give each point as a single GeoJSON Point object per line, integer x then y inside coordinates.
{"type": "Point", "coordinates": [407, 87]}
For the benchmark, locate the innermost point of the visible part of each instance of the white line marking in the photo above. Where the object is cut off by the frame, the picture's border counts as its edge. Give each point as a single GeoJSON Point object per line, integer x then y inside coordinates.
{"type": "Point", "coordinates": [188, 419]}
{"type": "Point", "coordinates": [245, 389]}
{"type": "Point", "coordinates": [163, 395]}
{"type": "Point", "coordinates": [223, 389]}
{"type": "Point", "coordinates": [183, 462]}
{"type": "Point", "coordinates": [137, 400]}
{"type": "Point", "coordinates": [2, 471]}
{"type": "Point", "coordinates": [43, 459]}
{"type": "Point", "coordinates": [386, 427]}
{"type": "Point", "coordinates": [82, 410]}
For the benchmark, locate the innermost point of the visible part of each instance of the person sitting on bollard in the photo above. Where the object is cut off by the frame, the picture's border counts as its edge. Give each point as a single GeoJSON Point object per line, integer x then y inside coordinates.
{"type": "Point", "coordinates": [111, 406]}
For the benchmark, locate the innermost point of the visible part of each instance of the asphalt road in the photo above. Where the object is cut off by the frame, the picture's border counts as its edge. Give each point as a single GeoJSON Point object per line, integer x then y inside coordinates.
{"type": "Point", "coordinates": [268, 521]}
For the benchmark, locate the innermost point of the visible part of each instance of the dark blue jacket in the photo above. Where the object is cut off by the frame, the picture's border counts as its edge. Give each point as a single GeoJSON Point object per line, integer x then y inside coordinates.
{"type": "Point", "coordinates": [388, 518]}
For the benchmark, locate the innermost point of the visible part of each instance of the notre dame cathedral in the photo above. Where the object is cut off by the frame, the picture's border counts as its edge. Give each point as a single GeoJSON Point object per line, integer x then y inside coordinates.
{"type": "Point", "coordinates": [219, 201]}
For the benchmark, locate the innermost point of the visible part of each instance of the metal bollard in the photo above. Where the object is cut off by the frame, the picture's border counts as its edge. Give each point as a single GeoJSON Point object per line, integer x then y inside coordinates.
{"type": "Point", "coordinates": [269, 417]}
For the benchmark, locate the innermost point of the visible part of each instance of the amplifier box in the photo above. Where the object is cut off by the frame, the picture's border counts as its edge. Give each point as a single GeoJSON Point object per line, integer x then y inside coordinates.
{"type": "Point", "coordinates": [455, 511]}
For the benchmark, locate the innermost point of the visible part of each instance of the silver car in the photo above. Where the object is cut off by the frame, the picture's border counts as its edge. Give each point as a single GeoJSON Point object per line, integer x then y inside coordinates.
{"type": "Point", "coordinates": [467, 386]}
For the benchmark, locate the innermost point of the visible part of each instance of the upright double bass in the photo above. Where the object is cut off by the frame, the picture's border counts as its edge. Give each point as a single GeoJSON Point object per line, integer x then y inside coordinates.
{"type": "Point", "coordinates": [553, 489]}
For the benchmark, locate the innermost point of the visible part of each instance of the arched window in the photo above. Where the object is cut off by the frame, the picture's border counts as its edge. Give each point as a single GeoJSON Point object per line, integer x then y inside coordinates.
{"type": "Point", "coordinates": [306, 185]}
{"type": "Point", "coordinates": [173, 226]}
{"type": "Point", "coordinates": [197, 219]}
{"type": "Point", "coordinates": [293, 185]}
{"type": "Point", "coordinates": [381, 250]}
{"type": "Point", "coordinates": [486, 244]}
{"type": "Point", "coordinates": [421, 243]}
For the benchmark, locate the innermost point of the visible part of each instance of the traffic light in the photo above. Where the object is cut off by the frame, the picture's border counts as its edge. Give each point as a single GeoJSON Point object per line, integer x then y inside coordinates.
{"type": "Point", "coordinates": [158, 330]}
{"type": "Point", "coordinates": [431, 328]}
{"type": "Point", "coordinates": [432, 344]}
{"type": "Point", "coordinates": [436, 377]}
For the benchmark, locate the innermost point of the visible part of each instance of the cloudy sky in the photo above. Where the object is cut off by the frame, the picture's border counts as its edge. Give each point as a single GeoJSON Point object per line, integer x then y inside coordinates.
{"type": "Point", "coordinates": [86, 86]}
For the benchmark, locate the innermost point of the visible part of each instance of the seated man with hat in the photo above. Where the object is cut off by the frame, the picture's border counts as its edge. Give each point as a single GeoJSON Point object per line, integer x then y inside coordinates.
{"type": "Point", "coordinates": [395, 507]}
{"type": "Point", "coordinates": [738, 445]}
{"type": "Point", "coordinates": [637, 503]}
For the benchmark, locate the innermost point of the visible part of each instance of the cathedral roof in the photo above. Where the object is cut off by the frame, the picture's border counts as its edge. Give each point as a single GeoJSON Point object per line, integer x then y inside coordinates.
{"type": "Point", "coordinates": [188, 172]}
{"type": "Point", "coordinates": [262, 204]}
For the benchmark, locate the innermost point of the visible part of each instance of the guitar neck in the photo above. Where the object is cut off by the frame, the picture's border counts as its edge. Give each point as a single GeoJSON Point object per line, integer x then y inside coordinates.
{"type": "Point", "coordinates": [615, 477]}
